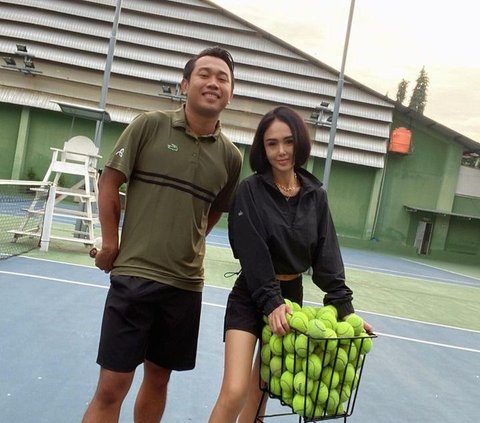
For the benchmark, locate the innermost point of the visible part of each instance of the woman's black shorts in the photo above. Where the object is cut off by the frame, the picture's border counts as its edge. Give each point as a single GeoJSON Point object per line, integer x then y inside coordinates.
{"type": "Point", "coordinates": [242, 312]}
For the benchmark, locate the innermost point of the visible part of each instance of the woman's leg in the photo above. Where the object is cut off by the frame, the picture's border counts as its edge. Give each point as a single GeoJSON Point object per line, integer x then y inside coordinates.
{"type": "Point", "coordinates": [249, 411]}
{"type": "Point", "coordinates": [239, 350]}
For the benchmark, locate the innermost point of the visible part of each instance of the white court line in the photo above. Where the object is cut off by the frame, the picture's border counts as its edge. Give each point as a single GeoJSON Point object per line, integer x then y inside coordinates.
{"type": "Point", "coordinates": [61, 262]}
{"type": "Point", "coordinates": [223, 306]}
{"type": "Point", "coordinates": [415, 275]}
{"type": "Point", "coordinates": [439, 268]}
{"type": "Point", "coordinates": [420, 341]}
{"type": "Point", "coordinates": [404, 338]}
{"type": "Point", "coordinates": [407, 319]}
{"type": "Point", "coordinates": [47, 278]}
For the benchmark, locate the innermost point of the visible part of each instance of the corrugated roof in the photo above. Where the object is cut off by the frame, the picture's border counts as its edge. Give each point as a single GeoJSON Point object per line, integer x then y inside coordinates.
{"type": "Point", "coordinates": [155, 39]}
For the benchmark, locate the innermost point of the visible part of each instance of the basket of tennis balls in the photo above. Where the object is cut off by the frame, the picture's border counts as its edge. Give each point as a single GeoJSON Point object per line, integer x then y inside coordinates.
{"type": "Point", "coordinates": [315, 369]}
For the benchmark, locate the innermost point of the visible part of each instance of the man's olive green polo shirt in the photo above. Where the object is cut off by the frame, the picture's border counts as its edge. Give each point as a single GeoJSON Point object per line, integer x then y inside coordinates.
{"type": "Point", "coordinates": [174, 178]}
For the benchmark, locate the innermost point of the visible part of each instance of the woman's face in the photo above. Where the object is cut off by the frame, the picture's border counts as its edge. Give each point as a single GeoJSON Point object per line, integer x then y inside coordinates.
{"type": "Point", "coordinates": [279, 146]}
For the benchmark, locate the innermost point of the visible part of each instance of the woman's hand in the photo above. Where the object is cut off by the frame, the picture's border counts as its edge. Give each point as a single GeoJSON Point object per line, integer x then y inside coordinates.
{"type": "Point", "coordinates": [368, 327]}
{"type": "Point", "coordinates": [277, 319]}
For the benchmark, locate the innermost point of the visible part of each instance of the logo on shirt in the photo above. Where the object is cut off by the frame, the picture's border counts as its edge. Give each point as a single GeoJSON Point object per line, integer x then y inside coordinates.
{"type": "Point", "coordinates": [240, 213]}
{"type": "Point", "coordinates": [172, 147]}
{"type": "Point", "coordinates": [120, 152]}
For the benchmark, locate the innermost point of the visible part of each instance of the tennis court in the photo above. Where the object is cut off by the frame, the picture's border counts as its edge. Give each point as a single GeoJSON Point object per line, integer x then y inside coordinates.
{"type": "Point", "coordinates": [418, 370]}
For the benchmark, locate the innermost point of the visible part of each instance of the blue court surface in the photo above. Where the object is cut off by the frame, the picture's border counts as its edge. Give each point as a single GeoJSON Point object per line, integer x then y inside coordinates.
{"type": "Point", "coordinates": [50, 320]}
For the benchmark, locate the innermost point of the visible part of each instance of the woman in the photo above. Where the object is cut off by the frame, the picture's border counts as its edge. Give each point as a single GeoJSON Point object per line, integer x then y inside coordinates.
{"type": "Point", "coordinates": [279, 226]}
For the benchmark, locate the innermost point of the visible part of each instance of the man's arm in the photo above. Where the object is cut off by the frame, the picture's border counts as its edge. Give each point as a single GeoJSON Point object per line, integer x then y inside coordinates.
{"type": "Point", "coordinates": [213, 218]}
{"type": "Point", "coordinates": [109, 207]}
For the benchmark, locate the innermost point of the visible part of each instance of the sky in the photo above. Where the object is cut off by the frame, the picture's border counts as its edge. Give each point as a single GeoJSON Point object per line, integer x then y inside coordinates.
{"type": "Point", "coordinates": [390, 40]}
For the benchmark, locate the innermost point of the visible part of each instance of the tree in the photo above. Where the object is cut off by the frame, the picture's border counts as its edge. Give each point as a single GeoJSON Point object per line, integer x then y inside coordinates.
{"type": "Point", "coordinates": [418, 100]}
{"type": "Point", "coordinates": [402, 90]}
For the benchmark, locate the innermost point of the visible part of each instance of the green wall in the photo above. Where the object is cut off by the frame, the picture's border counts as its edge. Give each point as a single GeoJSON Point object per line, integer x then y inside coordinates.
{"type": "Point", "coordinates": [426, 178]}
{"type": "Point", "coordinates": [9, 123]}
{"type": "Point", "coordinates": [349, 193]}
{"type": "Point", "coordinates": [46, 129]}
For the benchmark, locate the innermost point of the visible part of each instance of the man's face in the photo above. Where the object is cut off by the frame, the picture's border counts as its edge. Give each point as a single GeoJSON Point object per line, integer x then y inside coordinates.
{"type": "Point", "coordinates": [210, 86]}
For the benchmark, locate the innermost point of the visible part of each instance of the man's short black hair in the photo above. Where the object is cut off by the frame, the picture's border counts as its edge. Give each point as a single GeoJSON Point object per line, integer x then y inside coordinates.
{"type": "Point", "coordinates": [301, 138]}
{"type": "Point", "coordinates": [216, 51]}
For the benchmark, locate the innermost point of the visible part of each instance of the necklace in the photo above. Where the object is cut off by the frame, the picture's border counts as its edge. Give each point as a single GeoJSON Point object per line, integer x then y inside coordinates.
{"type": "Point", "coordinates": [288, 189]}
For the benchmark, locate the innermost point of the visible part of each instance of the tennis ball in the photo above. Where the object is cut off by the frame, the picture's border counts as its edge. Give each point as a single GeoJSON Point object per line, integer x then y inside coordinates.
{"type": "Point", "coordinates": [274, 386]}
{"type": "Point", "coordinates": [328, 319]}
{"type": "Point", "coordinates": [266, 334]}
{"type": "Point", "coordinates": [288, 315]}
{"type": "Point", "coordinates": [266, 354]}
{"type": "Point", "coordinates": [348, 374]}
{"type": "Point", "coordinates": [328, 308]}
{"type": "Point", "coordinates": [289, 342]}
{"type": "Point", "coordinates": [340, 410]}
{"type": "Point", "coordinates": [293, 363]}
{"type": "Point", "coordinates": [323, 355]}
{"type": "Point", "coordinates": [318, 412]}
{"type": "Point", "coordinates": [287, 398]}
{"type": "Point", "coordinates": [276, 365]}
{"type": "Point", "coordinates": [356, 321]}
{"type": "Point", "coordinates": [316, 328]}
{"type": "Point", "coordinates": [330, 377]}
{"type": "Point", "coordinates": [286, 383]}
{"type": "Point", "coordinates": [275, 343]}
{"type": "Point", "coordinates": [299, 321]}
{"type": "Point", "coordinates": [366, 343]}
{"type": "Point", "coordinates": [296, 306]}
{"type": "Point", "coordinates": [312, 366]}
{"type": "Point", "coordinates": [319, 392]}
{"type": "Point", "coordinates": [302, 405]}
{"type": "Point", "coordinates": [344, 330]}
{"type": "Point", "coordinates": [351, 351]}
{"type": "Point", "coordinates": [265, 373]}
{"type": "Point", "coordinates": [302, 384]}
{"type": "Point", "coordinates": [331, 340]}
{"type": "Point", "coordinates": [332, 402]}
{"type": "Point", "coordinates": [339, 360]}
{"type": "Point", "coordinates": [345, 393]}
{"type": "Point", "coordinates": [309, 311]}
{"type": "Point", "coordinates": [303, 346]}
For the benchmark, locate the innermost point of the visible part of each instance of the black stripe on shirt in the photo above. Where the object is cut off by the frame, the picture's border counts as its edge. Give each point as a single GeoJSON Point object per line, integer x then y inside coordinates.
{"type": "Point", "coordinates": [179, 181]}
{"type": "Point", "coordinates": [180, 188]}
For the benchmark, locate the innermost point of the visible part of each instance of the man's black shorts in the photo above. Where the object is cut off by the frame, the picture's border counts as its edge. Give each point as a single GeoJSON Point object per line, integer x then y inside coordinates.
{"type": "Point", "coordinates": [148, 320]}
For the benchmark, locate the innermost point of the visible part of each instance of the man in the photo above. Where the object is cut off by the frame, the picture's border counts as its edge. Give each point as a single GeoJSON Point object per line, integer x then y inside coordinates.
{"type": "Point", "coordinates": [181, 173]}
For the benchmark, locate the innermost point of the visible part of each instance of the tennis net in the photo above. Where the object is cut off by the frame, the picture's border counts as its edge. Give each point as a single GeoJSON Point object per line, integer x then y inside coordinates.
{"type": "Point", "coordinates": [22, 210]}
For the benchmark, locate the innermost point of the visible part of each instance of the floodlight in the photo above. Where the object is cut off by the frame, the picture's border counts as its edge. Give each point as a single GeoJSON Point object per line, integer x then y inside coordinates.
{"type": "Point", "coordinates": [9, 61]}
{"type": "Point", "coordinates": [29, 62]}
{"type": "Point", "coordinates": [166, 89]}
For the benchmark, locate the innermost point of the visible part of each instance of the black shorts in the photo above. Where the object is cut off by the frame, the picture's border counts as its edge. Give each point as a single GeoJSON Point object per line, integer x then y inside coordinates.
{"type": "Point", "coordinates": [145, 319]}
{"type": "Point", "coordinates": [243, 314]}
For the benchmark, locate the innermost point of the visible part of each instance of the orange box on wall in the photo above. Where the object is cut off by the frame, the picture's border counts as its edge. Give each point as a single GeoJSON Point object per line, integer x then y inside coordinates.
{"type": "Point", "coordinates": [400, 141]}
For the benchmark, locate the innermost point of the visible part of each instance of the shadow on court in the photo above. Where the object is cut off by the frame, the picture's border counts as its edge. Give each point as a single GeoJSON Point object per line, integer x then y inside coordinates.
{"type": "Point", "coordinates": [50, 320]}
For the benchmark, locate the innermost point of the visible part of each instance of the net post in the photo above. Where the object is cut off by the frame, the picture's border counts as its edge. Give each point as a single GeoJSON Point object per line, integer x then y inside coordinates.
{"type": "Point", "coordinates": [47, 218]}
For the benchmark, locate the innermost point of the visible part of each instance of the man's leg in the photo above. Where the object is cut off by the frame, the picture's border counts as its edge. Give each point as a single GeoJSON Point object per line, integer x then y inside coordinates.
{"type": "Point", "coordinates": [111, 390]}
{"type": "Point", "coordinates": [152, 396]}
